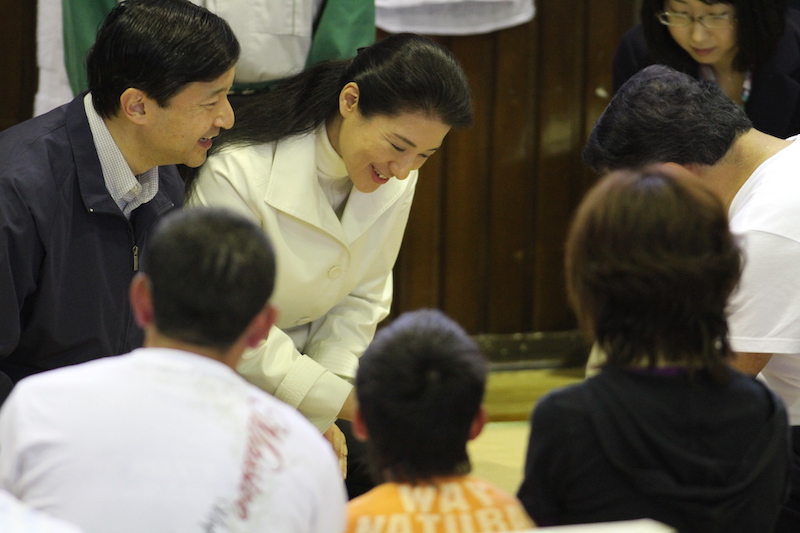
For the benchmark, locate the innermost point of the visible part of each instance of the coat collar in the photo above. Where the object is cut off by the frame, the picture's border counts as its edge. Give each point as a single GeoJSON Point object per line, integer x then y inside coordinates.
{"type": "Point", "coordinates": [294, 189]}
{"type": "Point", "coordinates": [87, 164]}
{"type": "Point", "coordinates": [89, 172]}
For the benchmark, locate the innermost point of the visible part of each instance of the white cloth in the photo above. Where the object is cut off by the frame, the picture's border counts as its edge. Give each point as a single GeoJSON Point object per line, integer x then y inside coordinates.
{"type": "Point", "coordinates": [16, 517]}
{"type": "Point", "coordinates": [54, 89]}
{"type": "Point", "coordinates": [334, 277]}
{"type": "Point", "coordinates": [765, 310]}
{"type": "Point", "coordinates": [166, 441]}
{"type": "Point", "coordinates": [275, 35]}
{"type": "Point", "coordinates": [451, 17]}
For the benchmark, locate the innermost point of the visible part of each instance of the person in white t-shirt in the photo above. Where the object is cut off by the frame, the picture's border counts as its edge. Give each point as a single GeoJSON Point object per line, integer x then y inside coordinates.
{"type": "Point", "coordinates": [663, 116]}
{"type": "Point", "coordinates": [169, 437]}
{"type": "Point", "coordinates": [16, 517]}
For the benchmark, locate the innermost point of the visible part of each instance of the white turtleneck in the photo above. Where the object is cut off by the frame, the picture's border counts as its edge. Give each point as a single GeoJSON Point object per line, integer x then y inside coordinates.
{"type": "Point", "coordinates": [331, 173]}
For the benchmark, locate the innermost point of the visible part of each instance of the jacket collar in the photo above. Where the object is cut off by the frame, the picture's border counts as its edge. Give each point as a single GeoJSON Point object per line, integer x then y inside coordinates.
{"type": "Point", "coordinates": [87, 164]}
{"type": "Point", "coordinates": [89, 172]}
{"type": "Point", "coordinates": [302, 198]}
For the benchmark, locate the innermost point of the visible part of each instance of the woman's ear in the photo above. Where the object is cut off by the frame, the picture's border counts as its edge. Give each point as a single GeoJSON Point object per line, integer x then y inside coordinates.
{"type": "Point", "coordinates": [348, 99]}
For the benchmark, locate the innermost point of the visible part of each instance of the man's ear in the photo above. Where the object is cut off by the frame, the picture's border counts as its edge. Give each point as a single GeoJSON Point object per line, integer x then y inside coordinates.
{"type": "Point", "coordinates": [133, 105]}
{"type": "Point", "coordinates": [348, 99]}
{"type": "Point", "coordinates": [259, 327]}
{"type": "Point", "coordinates": [481, 417]}
{"type": "Point", "coordinates": [141, 300]}
{"type": "Point", "coordinates": [675, 170]}
{"type": "Point", "coordinates": [359, 427]}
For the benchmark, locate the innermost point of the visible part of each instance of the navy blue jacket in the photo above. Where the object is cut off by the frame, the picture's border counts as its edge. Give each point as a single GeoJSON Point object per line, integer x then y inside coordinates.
{"type": "Point", "coordinates": [67, 253]}
{"type": "Point", "coordinates": [774, 104]}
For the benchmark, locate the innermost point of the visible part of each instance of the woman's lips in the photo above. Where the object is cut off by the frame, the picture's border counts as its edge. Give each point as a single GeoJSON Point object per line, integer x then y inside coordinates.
{"type": "Point", "coordinates": [703, 52]}
{"type": "Point", "coordinates": [377, 177]}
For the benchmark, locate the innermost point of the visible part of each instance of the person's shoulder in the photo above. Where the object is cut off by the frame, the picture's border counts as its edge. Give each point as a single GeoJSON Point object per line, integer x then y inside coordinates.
{"type": "Point", "coordinates": [17, 517]}
{"type": "Point", "coordinates": [35, 143]}
{"type": "Point", "coordinates": [295, 427]}
{"type": "Point", "coordinates": [77, 377]}
{"type": "Point", "coordinates": [569, 397]}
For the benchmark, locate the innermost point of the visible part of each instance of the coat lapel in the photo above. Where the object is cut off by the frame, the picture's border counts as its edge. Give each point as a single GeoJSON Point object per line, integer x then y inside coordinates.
{"type": "Point", "coordinates": [302, 198]}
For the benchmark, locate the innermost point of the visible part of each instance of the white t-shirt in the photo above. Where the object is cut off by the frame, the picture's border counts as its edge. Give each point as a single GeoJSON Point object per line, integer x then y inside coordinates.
{"type": "Point", "coordinates": [765, 310]}
{"type": "Point", "coordinates": [166, 441]}
{"type": "Point", "coordinates": [16, 517]}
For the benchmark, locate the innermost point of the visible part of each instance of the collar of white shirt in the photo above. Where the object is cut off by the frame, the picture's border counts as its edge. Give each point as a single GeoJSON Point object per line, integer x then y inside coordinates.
{"type": "Point", "coordinates": [127, 190]}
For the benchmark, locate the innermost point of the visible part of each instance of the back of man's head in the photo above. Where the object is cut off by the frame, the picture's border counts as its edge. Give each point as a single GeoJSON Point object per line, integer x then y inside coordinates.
{"type": "Point", "coordinates": [159, 47]}
{"type": "Point", "coordinates": [661, 115]}
{"type": "Point", "coordinates": [419, 385]}
{"type": "Point", "coordinates": [210, 272]}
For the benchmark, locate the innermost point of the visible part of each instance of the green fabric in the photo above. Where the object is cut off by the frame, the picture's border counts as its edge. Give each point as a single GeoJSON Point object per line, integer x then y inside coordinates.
{"type": "Point", "coordinates": [81, 19]}
{"type": "Point", "coordinates": [329, 41]}
{"type": "Point", "coordinates": [344, 27]}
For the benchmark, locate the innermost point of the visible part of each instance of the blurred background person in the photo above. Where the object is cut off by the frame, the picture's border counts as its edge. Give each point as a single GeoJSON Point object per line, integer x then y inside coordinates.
{"type": "Point", "coordinates": [666, 430]}
{"type": "Point", "coordinates": [751, 48]}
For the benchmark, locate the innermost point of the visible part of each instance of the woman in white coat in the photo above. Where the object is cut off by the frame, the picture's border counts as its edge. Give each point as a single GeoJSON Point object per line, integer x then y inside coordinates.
{"type": "Point", "coordinates": [327, 165]}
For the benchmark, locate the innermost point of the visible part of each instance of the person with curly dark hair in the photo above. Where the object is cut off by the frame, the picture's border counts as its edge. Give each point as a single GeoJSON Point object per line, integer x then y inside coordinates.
{"type": "Point", "coordinates": [751, 48]}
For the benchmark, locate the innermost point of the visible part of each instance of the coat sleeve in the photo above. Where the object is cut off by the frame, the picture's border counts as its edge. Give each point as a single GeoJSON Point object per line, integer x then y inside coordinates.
{"type": "Point", "coordinates": [12, 453]}
{"type": "Point", "coordinates": [275, 365]}
{"type": "Point", "coordinates": [546, 462]}
{"type": "Point", "coordinates": [21, 254]}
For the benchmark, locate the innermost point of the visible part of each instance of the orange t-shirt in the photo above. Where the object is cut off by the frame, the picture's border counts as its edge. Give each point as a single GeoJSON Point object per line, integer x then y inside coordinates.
{"type": "Point", "coordinates": [462, 504]}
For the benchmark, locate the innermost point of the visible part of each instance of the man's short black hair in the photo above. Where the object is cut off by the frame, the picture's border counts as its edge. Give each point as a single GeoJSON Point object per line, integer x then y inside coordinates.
{"type": "Point", "coordinates": [661, 115]}
{"type": "Point", "coordinates": [158, 47]}
{"type": "Point", "coordinates": [419, 385]}
{"type": "Point", "coordinates": [211, 271]}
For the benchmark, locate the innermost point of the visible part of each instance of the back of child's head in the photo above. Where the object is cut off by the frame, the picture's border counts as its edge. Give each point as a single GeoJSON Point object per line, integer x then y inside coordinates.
{"type": "Point", "coordinates": [420, 385]}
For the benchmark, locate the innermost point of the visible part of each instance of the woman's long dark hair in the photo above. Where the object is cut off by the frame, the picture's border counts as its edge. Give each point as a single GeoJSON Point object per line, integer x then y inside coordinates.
{"type": "Point", "coordinates": [403, 73]}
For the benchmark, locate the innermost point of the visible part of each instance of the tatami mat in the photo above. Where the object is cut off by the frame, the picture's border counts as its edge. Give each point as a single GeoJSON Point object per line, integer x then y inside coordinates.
{"type": "Point", "coordinates": [498, 454]}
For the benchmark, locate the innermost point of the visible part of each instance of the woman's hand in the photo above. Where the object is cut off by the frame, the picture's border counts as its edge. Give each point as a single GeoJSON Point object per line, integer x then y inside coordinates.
{"type": "Point", "coordinates": [339, 444]}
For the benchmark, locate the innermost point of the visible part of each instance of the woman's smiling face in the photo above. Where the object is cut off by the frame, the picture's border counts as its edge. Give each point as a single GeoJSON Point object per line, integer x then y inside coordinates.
{"type": "Point", "coordinates": [715, 47]}
{"type": "Point", "coordinates": [381, 147]}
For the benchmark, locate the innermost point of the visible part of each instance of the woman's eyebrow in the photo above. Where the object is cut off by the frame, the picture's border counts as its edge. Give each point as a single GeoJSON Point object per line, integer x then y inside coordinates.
{"type": "Point", "coordinates": [412, 145]}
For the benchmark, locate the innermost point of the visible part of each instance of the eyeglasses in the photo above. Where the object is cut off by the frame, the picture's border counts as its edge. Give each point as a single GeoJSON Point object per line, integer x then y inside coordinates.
{"type": "Point", "coordinates": [712, 22]}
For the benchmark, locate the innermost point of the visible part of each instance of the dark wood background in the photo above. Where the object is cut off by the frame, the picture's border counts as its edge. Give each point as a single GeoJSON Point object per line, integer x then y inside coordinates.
{"type": "Point", "coordinates": [485, 238]}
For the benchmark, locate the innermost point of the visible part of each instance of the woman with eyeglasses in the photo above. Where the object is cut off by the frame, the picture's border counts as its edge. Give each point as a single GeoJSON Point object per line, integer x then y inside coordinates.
{"type": "Point", "coordinates": [751, 48]}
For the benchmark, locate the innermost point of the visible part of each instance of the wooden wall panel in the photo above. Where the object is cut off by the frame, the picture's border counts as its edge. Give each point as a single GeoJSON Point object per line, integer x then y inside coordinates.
{"type": "Point", "coordinates": [465, 206]}
{"type": "Point", "coordinates": [18, 75]}
{"type": "Point", "coordinates": [510, 184]}
{"type": "Point", "coordinates": [513, 148]}
{"type": "Point", "coordinates": [560, 122]}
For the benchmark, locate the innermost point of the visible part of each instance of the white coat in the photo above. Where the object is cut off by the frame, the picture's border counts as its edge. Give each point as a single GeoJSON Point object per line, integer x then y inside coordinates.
{"type": "Point", "coordinates": [334, 277]}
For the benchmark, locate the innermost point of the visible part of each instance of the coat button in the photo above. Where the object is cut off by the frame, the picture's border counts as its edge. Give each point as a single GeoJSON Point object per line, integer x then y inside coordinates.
{"type": "Point", "coordinates": [335, 272]}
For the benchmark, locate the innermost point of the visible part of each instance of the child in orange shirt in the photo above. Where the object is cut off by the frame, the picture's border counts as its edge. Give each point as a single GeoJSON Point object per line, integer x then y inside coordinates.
{"type": "Point", "coordinates": [419, 386]}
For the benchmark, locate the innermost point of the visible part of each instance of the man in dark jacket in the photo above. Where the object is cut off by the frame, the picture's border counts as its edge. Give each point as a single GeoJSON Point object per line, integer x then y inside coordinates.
{"type": "Point", "coordinates": [82, 186]}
